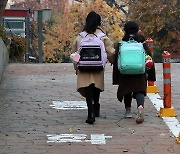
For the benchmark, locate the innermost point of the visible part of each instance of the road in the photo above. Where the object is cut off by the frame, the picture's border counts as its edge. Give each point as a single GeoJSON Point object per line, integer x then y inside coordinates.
{"type": "Point", "coordinates": [37, 115]}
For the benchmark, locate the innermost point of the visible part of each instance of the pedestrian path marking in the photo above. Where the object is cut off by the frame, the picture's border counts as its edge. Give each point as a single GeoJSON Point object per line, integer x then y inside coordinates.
{"type": "Point", "coordinates": [69, 105]}
{"type": "Point", "coordinates": [171, 122]}
{"type": "Point", "coordinates": [69, 138]}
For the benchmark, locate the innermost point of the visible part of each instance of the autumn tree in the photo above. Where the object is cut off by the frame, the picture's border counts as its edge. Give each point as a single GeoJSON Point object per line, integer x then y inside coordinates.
{"type": "Point", "coordinates": [59, 38]}
{"type": "Point", "coordinates": [55, 5]}
{"type": "Point", "coordinates": [57, 8]}
{"type": "Point", "coordinates": [160, 21]}
{"type": "Point", "coordinates": [33, 4]}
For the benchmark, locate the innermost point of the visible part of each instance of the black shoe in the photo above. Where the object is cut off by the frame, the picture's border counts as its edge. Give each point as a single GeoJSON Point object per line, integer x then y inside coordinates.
{"type": "Point", "coordinates": [96, 109]}
{"type": "Point", "coordinates": [91, 118]}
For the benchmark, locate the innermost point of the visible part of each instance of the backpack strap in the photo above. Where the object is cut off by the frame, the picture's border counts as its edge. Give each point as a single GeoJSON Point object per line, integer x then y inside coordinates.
{"type": "Point", "coordinates": [122, 42]}
{"type": "Point", "coordinates": [83, 34]}
{"type": "Point", "coordinates": [99, 35]}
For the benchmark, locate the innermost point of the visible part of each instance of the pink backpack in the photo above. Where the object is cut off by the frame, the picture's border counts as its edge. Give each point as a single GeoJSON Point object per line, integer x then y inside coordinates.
{"type": "Point", "coordinates": [93, 56]}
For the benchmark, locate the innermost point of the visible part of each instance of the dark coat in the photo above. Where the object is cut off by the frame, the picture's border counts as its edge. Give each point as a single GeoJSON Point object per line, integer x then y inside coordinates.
{"type": "Point", "coordinates": [131, 83]}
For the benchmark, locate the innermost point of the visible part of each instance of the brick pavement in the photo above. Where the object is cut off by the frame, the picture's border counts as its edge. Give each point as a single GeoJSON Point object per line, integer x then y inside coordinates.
{"type": "Point", "coordinates": [26, 117]}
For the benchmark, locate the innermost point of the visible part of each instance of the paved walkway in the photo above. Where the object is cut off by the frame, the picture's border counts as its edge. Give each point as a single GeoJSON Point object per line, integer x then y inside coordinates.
{"type": "Point", "coordinates": [29, 124]}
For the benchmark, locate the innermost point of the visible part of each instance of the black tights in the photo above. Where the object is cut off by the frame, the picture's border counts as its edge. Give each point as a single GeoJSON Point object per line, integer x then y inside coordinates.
{"type": "Point", "coordinates": [92, 95]}
{"type": "Point", "coordinates": [139, 96]}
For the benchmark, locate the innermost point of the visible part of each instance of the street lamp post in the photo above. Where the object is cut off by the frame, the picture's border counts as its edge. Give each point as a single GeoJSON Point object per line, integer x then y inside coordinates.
{"type": "Point", "coordinates": [40, 36]}
{"type": "Point", "coordinates": [41, 16]}
{"type": "Point", "coordinates": [27, 35]}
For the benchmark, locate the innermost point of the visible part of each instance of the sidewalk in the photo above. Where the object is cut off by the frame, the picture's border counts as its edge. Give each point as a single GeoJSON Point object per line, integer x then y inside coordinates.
{"type": "Point", "coordinates": [29, 123]}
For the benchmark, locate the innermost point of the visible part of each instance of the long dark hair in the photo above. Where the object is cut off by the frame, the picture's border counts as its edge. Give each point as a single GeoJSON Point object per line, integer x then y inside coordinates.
{"type": "Point", "coordinates": [91, 22]}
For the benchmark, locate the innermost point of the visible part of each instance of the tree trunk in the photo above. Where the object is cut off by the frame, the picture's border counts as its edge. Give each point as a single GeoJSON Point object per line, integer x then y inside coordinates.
{"type": "Point", "coordinates": [2, 6]}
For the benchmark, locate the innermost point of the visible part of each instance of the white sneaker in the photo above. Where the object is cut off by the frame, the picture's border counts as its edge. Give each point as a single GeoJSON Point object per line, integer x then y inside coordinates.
{"type": "Point", "coordinates": [128, 114]}
{"type": "Point", "coordinates": [140, 115]}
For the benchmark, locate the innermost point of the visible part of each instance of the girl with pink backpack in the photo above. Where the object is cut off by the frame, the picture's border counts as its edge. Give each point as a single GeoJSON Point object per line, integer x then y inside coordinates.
{"type": "Point", "coordinates": [91, 82]}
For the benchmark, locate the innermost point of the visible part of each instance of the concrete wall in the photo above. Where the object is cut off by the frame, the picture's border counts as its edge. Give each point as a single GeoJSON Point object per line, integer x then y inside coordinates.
{"type": "Point", "coordinates": [4, 57]}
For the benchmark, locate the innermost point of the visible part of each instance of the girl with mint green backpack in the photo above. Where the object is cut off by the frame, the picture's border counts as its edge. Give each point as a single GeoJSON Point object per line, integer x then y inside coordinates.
{"type": "Point", "coordinates": [132, 85]}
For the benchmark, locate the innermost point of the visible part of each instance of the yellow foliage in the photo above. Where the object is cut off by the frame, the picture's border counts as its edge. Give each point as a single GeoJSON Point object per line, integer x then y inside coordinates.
{"type": "Point", "coordinates": [18, 48]}
{"type": "Point", "coordinates": [59, 38]}
{"type": "Point", "coordinates": [157, 20]}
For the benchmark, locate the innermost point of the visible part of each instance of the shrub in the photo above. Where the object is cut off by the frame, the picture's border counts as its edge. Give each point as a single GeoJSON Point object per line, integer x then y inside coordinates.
{"type": "Point", "coordinates": [3, 34]}
{"type": "Point", "coordinates": [17, 49]}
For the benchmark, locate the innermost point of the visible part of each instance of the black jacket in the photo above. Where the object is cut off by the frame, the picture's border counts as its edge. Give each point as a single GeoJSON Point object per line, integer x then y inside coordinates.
{"type": "Point", "coordinates": [132, 83]}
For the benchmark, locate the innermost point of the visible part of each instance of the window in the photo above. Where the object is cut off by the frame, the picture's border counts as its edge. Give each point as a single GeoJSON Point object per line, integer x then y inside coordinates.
{"type": "Point", "coordinates": [14, 24]}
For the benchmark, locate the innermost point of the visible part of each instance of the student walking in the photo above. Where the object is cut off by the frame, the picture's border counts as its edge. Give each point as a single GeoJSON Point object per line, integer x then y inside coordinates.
{"type": "Point", "coordinates": [134, 85]}
{"type": "Point", "coordinates": [91, 82]}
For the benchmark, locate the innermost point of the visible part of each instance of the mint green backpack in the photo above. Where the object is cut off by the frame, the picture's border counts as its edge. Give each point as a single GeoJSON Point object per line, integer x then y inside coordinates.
{"type": "Point", "coordinates": [131, 58]}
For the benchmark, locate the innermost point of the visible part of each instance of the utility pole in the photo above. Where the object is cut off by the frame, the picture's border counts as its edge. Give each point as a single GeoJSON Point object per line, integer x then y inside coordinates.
{"type": "Point", "coordinates": [40, 25]}
{"type": "Point", "coordinates": [27, 35]}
